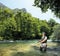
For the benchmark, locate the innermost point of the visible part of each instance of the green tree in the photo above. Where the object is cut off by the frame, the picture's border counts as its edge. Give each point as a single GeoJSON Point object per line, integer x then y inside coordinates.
{"type": "Point", "coordinates": [10, 26]}
{"type": "Point", "coordinates": [28, 25]}
{"type": "Point", "coordinates": [56, 33]}
{"type": "Point", "coordinates": [21, 25]}
{"type": "Point", "coordinates": [44, 27]}
{"type": "Point", "coordinates": [51, 23]}
{"type": "Point", "coordinates": [54, 5]}
{"type": "Point", "coordinates": [7, 23]}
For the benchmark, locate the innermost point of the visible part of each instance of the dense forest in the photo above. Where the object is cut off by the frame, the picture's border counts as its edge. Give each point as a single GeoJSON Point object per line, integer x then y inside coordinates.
{"type": "Point", "coordinates": [17, 24]}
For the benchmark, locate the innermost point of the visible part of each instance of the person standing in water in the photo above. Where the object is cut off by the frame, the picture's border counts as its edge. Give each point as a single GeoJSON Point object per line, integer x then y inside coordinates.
{"type": "Point", "coordinates": [43, 45]}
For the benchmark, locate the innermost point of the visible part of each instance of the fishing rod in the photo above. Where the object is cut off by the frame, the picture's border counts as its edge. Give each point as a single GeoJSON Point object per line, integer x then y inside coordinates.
{"type": "Point", "coordinates": [36, 43]}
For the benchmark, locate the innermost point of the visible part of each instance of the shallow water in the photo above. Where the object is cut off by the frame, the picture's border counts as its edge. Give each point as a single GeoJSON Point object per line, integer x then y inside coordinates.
{"type": "Point", "coordinates": [28, 48]}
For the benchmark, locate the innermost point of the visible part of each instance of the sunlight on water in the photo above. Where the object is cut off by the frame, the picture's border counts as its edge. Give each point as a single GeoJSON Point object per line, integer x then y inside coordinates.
{"type": "Point", "coordinates": [27, 48]}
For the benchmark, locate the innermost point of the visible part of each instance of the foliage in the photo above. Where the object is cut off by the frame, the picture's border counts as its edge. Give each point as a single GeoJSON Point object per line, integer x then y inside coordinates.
{"type": "Point", "coordinates": [54, 5]}
{"type": "Point", "coordinates": [22, 25]}
{"type": "Point", "coordinates": [44, 27]}
{"type": "Point", "coordinates": [56, 33]}
{"type": "Point", "coordinates": [52, 23]}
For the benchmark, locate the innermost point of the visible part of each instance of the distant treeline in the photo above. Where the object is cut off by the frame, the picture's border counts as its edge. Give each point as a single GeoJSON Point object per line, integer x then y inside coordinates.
{"type": "Point", "coordinates": [19, 24]}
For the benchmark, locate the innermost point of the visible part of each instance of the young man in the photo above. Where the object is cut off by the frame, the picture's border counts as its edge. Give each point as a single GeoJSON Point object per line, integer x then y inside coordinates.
{"type": "Point", "coordinates": [43, 41]}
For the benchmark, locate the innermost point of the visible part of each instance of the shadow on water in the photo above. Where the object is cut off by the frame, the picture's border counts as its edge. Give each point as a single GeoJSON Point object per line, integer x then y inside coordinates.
{"type": "Point", "coordinates": [51, 51]}
{"type": "Point", "coordinates": [48, 48]}
{"type": "Point", "coordinates": [36, 52]}
{"type": "Point", "coordinates": [30, 53]}
{"type": "Point", "coordinates": [19, 54]}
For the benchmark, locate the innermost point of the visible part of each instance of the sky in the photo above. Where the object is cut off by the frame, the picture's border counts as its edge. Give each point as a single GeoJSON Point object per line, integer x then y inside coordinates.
{"type": "Point", "coordinates": [35, 11]}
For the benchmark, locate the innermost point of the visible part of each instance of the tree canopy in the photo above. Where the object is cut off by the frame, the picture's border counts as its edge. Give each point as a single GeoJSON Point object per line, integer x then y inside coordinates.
{"type": "Point", "coordinates": [54, 5]}
{"type": "Point", "coordinates": [56, 34]}
{"type": "Point", "coordinates": [19, 24]}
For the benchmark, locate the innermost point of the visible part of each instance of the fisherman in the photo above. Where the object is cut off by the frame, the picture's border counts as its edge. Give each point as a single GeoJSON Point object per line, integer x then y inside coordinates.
{"type": "Point", "coordinates": [43, 46]}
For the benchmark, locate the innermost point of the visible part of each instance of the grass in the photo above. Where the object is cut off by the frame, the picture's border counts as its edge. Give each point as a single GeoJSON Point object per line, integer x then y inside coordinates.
{"type": "Point", "coordinates": [24, 48]}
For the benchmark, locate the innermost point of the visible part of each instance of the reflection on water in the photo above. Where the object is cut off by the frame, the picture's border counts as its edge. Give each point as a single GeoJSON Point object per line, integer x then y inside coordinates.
{"type": "Point", "coordinates": [36, 53]}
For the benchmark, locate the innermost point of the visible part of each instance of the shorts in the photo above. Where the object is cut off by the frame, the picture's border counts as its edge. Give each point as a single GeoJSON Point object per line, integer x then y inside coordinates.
{"type": "Point", "coordinates": [43, 45]}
